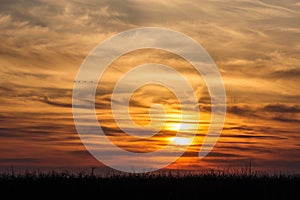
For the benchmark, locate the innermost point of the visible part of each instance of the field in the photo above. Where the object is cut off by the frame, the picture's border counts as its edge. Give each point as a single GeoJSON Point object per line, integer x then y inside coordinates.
{"type": "Point", "coordinates": [162, 185]}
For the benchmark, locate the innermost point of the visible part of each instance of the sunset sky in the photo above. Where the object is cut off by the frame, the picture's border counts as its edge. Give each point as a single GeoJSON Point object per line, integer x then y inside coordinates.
{"type": "Point", "coordinates": [255, 44]}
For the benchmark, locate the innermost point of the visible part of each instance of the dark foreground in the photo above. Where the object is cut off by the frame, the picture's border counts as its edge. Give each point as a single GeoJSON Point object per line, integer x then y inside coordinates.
{"type": "Point", "coordinates": [150, 186]}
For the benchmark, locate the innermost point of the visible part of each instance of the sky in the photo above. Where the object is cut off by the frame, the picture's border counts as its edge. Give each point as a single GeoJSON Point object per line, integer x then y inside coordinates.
{"type": "Point", "coordinates": [255, 44]}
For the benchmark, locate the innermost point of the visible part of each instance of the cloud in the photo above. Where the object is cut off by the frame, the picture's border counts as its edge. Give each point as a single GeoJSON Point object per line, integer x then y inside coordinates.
{"type": "Point", "coordinates": [281, 108]}
{"type": "Point", "coordinates": [60, 104]}
{"type": "Point", "coordinates": [286, 120]}
{"type": "Point", "coordinates": [278, 112]}
{"type": "Point", "coordinates": [293, 73]}
{"type": "Point", "coordinates": [241, 110]}
{"type": "Point", "coordinates": [19, 160]}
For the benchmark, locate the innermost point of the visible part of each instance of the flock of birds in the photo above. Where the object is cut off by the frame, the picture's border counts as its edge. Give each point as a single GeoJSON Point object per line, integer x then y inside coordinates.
{"type": "Point", "coordinates": [86, 81]}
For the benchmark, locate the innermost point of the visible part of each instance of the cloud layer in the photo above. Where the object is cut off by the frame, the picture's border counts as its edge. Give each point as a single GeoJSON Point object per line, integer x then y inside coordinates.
{"type": "Point", "coordinates": [256, 45]}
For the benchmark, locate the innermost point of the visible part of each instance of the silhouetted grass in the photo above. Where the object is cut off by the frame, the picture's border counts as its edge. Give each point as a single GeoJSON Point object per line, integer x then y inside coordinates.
{"type": "Point", "coordinates": [238, 185]}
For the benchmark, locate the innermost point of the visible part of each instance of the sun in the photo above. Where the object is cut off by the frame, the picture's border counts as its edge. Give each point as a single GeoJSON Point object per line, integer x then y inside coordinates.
{"type": "Point", "coordinates": [175, 123]}
{"type": "Point", "coordinates": [183, 127]}
{"type": "Point", "coordinates": [173, 126]}
{"type": "Point", "coordinates": [180, 140]}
